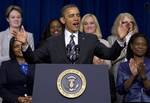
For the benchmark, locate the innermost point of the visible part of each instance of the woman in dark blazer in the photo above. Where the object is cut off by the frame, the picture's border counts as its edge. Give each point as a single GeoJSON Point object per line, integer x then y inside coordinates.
{"type": "Point", "coordinates": [16, 77]}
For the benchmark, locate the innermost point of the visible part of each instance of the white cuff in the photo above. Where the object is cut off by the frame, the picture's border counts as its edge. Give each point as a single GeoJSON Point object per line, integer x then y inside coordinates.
{"type": "Point", "coordinates": [25, 47]}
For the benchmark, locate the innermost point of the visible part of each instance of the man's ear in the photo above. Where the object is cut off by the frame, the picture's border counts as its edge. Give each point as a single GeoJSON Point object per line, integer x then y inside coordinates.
{"type": "Point", "coordinates": [62, 20]}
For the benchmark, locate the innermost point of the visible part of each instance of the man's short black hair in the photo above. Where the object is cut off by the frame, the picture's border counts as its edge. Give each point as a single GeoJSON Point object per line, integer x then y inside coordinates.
{"type": "Point", "coordinates": [66, 7]}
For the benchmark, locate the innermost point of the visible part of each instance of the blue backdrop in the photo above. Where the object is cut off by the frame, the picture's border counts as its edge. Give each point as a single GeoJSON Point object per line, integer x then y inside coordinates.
{"type": "Point", "coordinates": [36, 13]}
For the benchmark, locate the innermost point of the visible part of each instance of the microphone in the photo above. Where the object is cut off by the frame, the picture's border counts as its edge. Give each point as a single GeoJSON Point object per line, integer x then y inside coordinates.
{"type": "Point", "coordinates": [77, 49]}
{"type": "Point", "coordinates": [68, 50]}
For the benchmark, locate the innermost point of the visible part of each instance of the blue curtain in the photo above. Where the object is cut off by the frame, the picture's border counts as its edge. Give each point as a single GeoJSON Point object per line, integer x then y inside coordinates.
{"type": "Point", "coordinates": [37, 13]}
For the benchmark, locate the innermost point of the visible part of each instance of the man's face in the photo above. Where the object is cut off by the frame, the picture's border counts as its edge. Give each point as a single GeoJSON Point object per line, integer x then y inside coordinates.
{"type": "Point", "coordinates": [71, 19]}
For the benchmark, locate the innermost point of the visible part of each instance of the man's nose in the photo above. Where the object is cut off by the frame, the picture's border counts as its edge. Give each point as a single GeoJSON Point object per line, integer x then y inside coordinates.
{"type": "Point", "coordinates": [76, 17]}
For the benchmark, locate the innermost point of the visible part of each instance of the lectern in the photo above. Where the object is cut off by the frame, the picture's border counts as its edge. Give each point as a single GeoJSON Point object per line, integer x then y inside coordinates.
{"type": "Point", "coordinates": [46, 86]}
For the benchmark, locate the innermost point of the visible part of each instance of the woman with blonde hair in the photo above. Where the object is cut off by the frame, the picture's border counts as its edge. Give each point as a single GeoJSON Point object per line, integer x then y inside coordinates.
{"type": "Point", "coordinates": [89, 24]}
{"type": "Point", "coordinates": [97, 30]}
{"type": "Point", "coordinates": [122, 20]}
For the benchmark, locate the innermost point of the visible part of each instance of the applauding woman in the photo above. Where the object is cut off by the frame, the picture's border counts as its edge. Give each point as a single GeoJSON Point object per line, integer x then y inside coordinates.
{"type": "Point", "coordinates": [133, 79]}
{"type": "Point", "coordinates": [14, 18]}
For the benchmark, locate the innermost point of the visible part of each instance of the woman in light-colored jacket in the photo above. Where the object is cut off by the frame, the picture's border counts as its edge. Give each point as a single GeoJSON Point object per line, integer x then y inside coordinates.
{"type": "Point", "coordinates": [89, 24]}
{"type": "Point", "coordinates": [14, 18]}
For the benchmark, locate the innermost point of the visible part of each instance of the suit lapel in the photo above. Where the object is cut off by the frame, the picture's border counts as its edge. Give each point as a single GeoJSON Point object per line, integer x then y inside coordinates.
{"type": "Point", "coordinates": [81, 38]}
{"type": "Point", "coordinates": [63, 49]}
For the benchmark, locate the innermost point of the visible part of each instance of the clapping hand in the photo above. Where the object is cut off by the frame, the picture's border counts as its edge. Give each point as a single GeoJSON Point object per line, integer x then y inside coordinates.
{"type": "Point", "coordinates": [21, 35]}
{"type": "Point", "coordinates": [133, 67]}
{"type": "Point", "coordinates": [123, 30]}
{"type": "Point", "coordinates": [25, 99]}
{"type": "Point", "coordinates": [137, 68]}
{"type": "Point", "coordinates": [141, 69]}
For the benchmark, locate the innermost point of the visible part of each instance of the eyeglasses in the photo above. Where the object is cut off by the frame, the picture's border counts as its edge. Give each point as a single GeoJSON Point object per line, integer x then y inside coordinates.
{"type": "Point", "coordinates": [126, 22]}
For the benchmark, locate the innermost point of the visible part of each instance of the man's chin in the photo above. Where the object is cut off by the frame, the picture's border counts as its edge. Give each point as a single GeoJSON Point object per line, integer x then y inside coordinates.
{"type": "Point", "coordinates": [75, 30]}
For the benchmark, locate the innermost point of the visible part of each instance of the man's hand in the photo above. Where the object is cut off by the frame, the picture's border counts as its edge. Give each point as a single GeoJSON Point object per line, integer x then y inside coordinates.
{"type": "Point", "coordinates": [25, 99]}
{"type": "Point", "coordinates": [97, 60]}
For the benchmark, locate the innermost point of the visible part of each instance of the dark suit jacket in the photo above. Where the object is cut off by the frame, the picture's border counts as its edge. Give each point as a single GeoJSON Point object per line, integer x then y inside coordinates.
{"type": "Point", "coordinates": [54, 50]}
{"type": "Point", "coordinates": [13, 83]}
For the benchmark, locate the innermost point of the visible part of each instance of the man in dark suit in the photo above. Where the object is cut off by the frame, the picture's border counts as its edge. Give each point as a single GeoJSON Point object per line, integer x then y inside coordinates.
{"type": "Point", "coordinates": [55, 48]}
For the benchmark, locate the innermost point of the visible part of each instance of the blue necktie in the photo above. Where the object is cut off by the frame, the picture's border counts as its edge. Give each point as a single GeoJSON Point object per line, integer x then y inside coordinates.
{"type": "Point", "coordinates": [72, 52]}
{"type": "Point", "coordinates": [24, 68]}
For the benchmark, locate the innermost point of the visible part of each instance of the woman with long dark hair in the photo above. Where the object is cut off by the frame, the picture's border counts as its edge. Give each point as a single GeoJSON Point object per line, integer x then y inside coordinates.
{"type": "Point", "coordinates": [16, 77]}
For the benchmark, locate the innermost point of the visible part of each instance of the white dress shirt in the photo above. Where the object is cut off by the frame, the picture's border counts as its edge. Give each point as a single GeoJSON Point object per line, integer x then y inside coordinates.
{"type": "Point", "coordinates": [67, 37]}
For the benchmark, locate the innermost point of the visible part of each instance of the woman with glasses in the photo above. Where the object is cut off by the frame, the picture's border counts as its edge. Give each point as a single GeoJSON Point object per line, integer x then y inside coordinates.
{"type": "Point", "coordinates": [124, 20]}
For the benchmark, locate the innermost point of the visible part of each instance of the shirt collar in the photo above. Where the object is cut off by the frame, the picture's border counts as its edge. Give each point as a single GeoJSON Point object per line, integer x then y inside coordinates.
{"type": "Point", "coordinates": [128, 37]}
{"type": "Point", "coordinates": [67, 34]}
{"type": "Point", "coordinates": [67, 37]}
